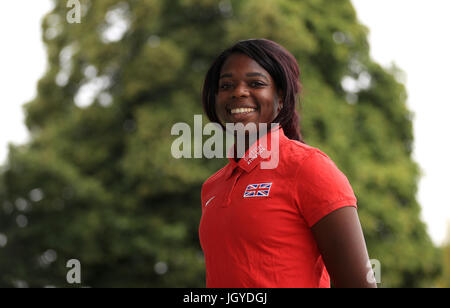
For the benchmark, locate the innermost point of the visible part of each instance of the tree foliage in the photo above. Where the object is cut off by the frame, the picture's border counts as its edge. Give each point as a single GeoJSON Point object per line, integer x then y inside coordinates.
{"type": "Point", "coordinates": [97, 182]}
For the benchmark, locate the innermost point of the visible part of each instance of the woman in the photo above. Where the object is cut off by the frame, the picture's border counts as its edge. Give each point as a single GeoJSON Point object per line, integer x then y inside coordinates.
{"type": "Point", "coordinates": [293, 225]}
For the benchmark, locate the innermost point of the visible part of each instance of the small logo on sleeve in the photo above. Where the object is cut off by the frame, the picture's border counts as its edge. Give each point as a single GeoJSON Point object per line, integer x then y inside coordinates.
{"type": "Point", "coordinates": [257, 190]}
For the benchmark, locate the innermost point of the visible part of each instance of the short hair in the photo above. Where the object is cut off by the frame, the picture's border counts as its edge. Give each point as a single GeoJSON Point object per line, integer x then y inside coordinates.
{"type": "Point", "coordinates": [282, 67]}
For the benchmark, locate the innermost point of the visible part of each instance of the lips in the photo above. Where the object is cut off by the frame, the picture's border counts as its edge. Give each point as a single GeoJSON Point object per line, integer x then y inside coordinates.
{"type": "Point", "coordinates": [238, 109]}
{"type": "Point", "coordinates": [242, 110]}
{"type": "Point", "coordinates": [241, 114]}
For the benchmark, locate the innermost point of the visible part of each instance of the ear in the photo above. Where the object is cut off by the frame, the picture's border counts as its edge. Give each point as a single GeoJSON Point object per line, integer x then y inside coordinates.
{"type": "Point", "coordinates": [280, 100]}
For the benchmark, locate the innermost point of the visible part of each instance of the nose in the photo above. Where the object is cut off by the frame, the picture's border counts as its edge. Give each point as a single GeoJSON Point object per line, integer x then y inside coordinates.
{"type": "Point", "coordinates": [240, 90]}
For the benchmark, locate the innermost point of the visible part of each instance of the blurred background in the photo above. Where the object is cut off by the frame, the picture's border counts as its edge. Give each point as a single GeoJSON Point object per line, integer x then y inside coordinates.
{"type": "Point", "coordinates": [86, 111]}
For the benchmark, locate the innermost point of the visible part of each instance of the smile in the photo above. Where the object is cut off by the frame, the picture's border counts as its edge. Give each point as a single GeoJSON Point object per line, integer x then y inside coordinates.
{"type": "Point", "coordinates": [242, 110]}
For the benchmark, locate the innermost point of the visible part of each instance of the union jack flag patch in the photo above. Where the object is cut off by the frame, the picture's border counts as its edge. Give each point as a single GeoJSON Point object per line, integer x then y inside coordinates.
{"type": "Point", "coordinates": [257, 190]}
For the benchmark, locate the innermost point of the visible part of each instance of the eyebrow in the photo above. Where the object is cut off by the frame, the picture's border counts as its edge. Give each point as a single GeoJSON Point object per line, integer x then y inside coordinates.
{"type": "Point", "coordinates": [254, 74]}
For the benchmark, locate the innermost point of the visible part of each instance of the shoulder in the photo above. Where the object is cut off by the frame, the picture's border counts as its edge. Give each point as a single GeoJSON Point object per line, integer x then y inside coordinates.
{"type": "Point", "coordinates": [296, 153]}
{"type": "Point", "coordinates": [305, 159]}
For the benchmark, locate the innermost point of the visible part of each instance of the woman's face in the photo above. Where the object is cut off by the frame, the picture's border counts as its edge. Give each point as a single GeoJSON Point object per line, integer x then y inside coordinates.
{"type": "Point", "coordinates": [247, 92]}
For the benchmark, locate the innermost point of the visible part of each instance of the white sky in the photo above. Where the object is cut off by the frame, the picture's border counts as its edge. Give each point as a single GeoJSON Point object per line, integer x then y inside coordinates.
{"type": "Point", "coordinates": [414, 35]}
{"type": "Point", "coordinates": [22, 63]}
{"type": "Point", "coordinates": [411, 33]}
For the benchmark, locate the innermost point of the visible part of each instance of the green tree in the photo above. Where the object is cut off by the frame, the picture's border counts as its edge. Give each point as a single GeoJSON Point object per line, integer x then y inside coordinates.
{"type": "Point", "coordinates": [444, 281]}
{"type": "Point", "coordinates": [97, 182]}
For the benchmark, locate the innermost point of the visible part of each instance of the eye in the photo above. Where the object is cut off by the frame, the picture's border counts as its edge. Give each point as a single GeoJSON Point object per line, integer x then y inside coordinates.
{"type": "Point", "coordinates": [257, 84]}
{"type": "Point", "coordinates": [225, 86]}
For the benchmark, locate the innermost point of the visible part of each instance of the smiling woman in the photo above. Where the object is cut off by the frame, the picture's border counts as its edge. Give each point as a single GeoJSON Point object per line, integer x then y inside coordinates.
{"type": "Point", "coordinates": [292, 225]}
{"type": "Point", "coordinates": [256, 74]}
{"type": "Point", "coordinates": [248, 94]}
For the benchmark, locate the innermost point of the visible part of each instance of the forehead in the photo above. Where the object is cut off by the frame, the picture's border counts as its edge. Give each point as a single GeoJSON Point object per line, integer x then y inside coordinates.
{"type": "Point", "coordinates": [240, 62]}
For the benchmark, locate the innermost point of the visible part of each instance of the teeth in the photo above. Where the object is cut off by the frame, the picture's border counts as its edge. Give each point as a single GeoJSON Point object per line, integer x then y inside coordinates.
{"type": "Point", "coordinates": [242, 110]}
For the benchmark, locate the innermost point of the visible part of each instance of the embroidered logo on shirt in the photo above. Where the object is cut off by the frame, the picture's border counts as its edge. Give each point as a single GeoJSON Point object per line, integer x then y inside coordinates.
{"type": "Point", "coordinates": [257, 190]}
{"type": "Point", "coordinates": [253, 154]}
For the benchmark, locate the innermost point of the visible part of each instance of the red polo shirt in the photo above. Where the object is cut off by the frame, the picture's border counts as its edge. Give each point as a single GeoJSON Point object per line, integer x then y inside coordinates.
{"type": "Point", "coordinates": [255, 229]}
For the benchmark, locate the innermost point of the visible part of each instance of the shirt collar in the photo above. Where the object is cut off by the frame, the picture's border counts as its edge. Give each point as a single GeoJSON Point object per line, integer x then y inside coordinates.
{"type": "Point", "coordinates": [258, 152]}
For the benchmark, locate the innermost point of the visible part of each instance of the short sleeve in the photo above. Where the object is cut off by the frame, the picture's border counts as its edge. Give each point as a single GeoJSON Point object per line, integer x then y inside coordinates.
{"type": "Point", "coordinates": [321, 188]}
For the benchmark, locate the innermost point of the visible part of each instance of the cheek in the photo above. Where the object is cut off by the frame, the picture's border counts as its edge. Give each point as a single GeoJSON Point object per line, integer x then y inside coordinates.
{"type": "Point", "coordinates": [270, 104]}
{"type": "Point", "coordinates": [219, 108]}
